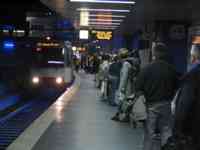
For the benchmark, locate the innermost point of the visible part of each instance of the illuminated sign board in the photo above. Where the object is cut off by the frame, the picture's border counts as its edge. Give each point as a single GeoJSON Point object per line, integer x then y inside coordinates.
{"type": "Point", "coordinates": [51, 44]}
{"type": "Point", "coordinates": [103, 35]}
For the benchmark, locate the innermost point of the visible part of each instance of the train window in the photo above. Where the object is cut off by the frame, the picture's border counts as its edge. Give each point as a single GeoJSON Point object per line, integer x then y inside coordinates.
{"type": "Point", "coordinates": [49, 57]}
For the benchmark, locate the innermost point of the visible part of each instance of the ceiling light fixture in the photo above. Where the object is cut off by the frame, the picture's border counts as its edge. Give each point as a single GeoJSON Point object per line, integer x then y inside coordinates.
{"type": "Point", "coordinates": [104, 10]}
{"type": "Point", "coordinates": [107, 16]}
{"type": "Point", "coordinates": [106, 26]}
{"type": "Point", "coordinates": [84, 18]}
{"type": "Point", "coordinates": [103, 23]}
{"type": "Point", "coordinates": [106, 20]}
{"type": "Point", "coordinates": [83, 34]}
{"type": "Point", "coordinates": [105, 1]}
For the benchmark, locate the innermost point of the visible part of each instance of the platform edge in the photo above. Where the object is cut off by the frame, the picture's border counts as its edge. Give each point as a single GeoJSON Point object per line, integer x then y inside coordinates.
{"type": "Point", "coordinates": [28, 139]}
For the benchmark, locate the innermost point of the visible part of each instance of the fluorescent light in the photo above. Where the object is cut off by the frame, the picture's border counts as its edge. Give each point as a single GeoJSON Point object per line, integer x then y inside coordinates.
{"type": "Point", "coordinates": [105, 1]}
{"type": "Point", "coordinates": [103, 23]}
{"type": "Point", "coordinates": [107, 20]}
{"type": "Point", "coordinates": [19, 31]}
{"type": "Point", "coordinates": [105, 26]}
{"type": "Point", "coordinates": [102, 28]}
{"type": "Point", "coordinates": [83, 34]}
{"type": "Point", "coordinates": [104, 10]}
{"type": "Point", "coordinates": [6, 31]}
{"type": "Point", "coordinates": [107, 16]}
{"type": "Point", "coordinates": [30, 18]}
{"type": "Point", "coordinates": [55, 62]}
{"type": "Point", "coordinates": [84, 16]}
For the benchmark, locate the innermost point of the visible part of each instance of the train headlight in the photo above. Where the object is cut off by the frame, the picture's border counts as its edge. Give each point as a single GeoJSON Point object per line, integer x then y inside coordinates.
{"type": "Point", "coordinates": [35, 80]}
{"type": "Point", "coordinates": [59, 80]}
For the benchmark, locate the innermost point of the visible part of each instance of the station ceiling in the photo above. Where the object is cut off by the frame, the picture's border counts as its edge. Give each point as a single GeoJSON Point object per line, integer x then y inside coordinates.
{"type": "Point", "coordinates": [141, 13]}
{"type": "Point", "coordinates": [14, 12]}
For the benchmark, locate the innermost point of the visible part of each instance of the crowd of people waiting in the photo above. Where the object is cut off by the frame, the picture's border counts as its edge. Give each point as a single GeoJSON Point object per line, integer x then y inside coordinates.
{"type": "Point", "coordinates": [164, 101]}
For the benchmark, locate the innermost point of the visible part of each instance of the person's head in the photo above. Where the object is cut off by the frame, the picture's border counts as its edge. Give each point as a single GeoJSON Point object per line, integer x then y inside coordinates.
{"type": "Point", "coordinates": [159, 51]}
{"type": "Point", "coordinates": [123, 53]}
{"type": "Point", "coordinates": [195, 53]}
{"type": "Point", "coordinates": [114, 58]}
{"type": "Point", "coordinates": [105, 57]}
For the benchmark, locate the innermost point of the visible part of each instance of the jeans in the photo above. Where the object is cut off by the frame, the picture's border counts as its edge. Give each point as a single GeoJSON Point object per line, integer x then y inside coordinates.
{"type": "Point", "coordinates": [113, 88]}
{"type": "Point", "coordinates": [158, 126]}
{"type": "Point", "coordinates": [104, 90]}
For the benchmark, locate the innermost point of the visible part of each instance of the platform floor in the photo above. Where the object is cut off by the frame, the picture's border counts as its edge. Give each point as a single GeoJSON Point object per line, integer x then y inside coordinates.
{"type": "Point", "coordinates": [85, 125]}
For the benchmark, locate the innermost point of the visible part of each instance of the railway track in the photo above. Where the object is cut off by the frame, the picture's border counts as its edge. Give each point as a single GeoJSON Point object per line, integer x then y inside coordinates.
{"type": "Point", "coordinates": [15, 122]}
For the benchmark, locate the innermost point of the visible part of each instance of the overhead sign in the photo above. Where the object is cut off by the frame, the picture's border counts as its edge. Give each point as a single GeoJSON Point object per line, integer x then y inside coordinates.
{"type": "Point", "coordinates": [50, 44]}
{"type": "Point", "coordinates": [103, 35]}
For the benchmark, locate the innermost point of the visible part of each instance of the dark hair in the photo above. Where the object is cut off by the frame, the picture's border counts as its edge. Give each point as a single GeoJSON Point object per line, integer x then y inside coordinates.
{"type": "Point", "coordinates": [161, 51]}
{"type": "Point", "coordinates": [115, 58]}
{"type": "Point", "coordinates": [105, 57]}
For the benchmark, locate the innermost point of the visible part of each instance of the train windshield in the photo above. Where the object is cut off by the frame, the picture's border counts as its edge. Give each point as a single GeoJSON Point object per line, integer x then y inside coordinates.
{"type": "Point", "coordinates": [48, 57]}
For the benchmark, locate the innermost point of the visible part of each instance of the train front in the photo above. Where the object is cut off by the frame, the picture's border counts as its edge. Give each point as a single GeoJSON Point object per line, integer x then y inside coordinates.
{"type": "Point", "coordinates": [48, 68]}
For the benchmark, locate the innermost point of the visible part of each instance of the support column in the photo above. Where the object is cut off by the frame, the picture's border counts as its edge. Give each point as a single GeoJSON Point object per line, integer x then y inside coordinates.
{"type": "Point", "coordinates": [128, 38]}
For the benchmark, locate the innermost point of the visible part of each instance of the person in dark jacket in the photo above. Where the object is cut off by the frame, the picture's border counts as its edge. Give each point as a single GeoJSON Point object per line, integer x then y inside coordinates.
{"type": "Point", "coordinates": [114, 77]}
{"type": "Point", "coordinates": [187, 120]}
{"type": "Point", "coordinates": [158, 83]}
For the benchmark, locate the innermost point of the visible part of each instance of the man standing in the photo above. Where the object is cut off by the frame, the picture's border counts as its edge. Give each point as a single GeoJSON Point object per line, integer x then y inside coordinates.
{"type": "Point", "coordinates": [158, 83]}
{"type": "Point", "coordinates": [114, 77]}
{"type": "Point", "coordinates": [104, 67]}
{"type": "Point", "coordinates": [187, 120]}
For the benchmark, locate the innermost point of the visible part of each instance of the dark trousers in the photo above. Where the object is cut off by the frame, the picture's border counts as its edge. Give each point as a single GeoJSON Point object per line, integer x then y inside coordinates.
{"type": "Point", "coordinates": [157, 126]}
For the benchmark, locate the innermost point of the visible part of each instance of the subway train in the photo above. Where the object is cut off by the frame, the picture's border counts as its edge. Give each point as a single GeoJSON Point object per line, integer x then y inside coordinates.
{"type": "Point", "coordinates": [28, 65]}
{"type": "Point", "coordinates": [50, 65]}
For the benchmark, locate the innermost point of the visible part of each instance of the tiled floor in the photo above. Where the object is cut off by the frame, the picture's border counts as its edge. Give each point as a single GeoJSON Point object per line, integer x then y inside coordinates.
{"type": "Point", "coordinates": [85, 125]}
